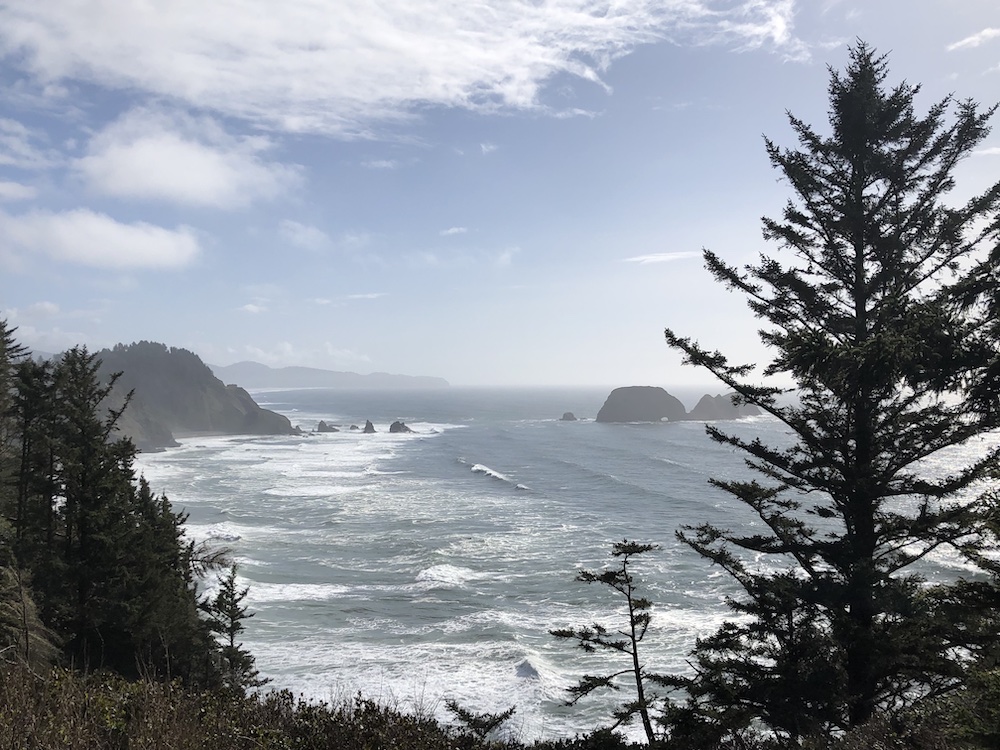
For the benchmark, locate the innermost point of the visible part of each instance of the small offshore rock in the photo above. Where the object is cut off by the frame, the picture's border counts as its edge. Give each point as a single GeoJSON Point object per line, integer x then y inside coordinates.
{"type": "Point", "coordinates": [526, 671]}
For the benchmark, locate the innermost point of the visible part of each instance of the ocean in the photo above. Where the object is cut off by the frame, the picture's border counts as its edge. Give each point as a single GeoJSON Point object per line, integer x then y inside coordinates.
{"type": "Point", "coordinates": [415, 568]}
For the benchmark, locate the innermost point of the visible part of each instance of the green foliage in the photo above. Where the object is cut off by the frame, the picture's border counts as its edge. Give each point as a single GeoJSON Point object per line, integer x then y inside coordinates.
{"type": "Point", "coordinates": [882, 312]}
{"type": "Point", "coordinates": [62, 710]}
{"type": "Point", "coordinates": [92, 563]}
{"type": "Point", "coordinates": [24, 638]}
{"type": "Point", "coordinates": [227, 613]}
{"type": "Point", "coordinates": [480, 725]}
{"type": "Point", "coordinates": [624, 642]}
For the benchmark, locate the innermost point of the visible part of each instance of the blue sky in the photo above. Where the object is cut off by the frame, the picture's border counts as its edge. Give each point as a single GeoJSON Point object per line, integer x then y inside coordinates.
{"type": "Point", "coordinates": [506, 192]}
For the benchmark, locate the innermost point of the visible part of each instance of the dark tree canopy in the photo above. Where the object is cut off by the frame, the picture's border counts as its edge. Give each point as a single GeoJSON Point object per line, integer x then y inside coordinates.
{"type": "Point", "coordinates": [880, 307]}
{"type": "Point", "coordinates": [94, 567]}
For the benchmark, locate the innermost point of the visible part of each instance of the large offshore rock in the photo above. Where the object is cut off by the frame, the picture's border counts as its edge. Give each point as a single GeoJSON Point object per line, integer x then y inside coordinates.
{"type": "Point", "coordinates": [711, 408]}
{"type": "Point", "coordinates": [641, 403]}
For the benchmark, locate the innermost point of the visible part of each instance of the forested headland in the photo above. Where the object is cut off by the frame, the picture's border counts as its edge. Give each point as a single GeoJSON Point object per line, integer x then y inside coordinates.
{"type": "Point", "coordinates": [881, 305]}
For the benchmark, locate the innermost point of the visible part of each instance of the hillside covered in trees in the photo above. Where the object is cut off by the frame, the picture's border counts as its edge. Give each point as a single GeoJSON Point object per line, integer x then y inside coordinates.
{"type": "Point", "coordinates": [174, 393]}
{"type": "Point", "coordinates": [95, 569]}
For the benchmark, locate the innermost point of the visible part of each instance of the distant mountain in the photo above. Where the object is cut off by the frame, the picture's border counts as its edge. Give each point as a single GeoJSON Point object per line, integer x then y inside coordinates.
{"type": "Point", "coordinates": [256, 375]}
{"type": "Point", "coordinates": [176, 393]}
{"type": "Point", "coordinates": [40, 356]}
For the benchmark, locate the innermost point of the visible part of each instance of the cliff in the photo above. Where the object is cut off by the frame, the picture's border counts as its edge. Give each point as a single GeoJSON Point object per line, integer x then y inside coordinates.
{"type": "Point", "coordinates": [176, 393]}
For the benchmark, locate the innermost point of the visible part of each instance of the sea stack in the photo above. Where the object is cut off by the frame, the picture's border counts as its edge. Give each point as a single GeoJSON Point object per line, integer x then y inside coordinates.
{"type": "Point", "coordinates": [641, 403]}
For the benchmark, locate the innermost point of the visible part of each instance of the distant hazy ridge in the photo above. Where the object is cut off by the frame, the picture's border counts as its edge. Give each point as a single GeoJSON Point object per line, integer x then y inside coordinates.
{"type": "Point", "coordinates": [256, 375]}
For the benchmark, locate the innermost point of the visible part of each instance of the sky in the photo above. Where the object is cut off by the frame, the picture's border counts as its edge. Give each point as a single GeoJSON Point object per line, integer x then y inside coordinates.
{"type": "Point", "coordinates": [499, 192]}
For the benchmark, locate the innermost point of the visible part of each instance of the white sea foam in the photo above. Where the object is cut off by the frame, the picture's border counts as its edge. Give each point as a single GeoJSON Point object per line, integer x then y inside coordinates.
{"type": "Point", "coordinates": [378, 563]}
{"type": "Point", "coordinates": [221, 532]}
{"type": "Point", "coordinates": [449, 575]}
{"type": "Point", "coordinates": [481, 469]}
{"type": "Point", "coordinates": [268, 593]}
{"type": "Point", "coordinates": [492, 473]}
{"type": "Point", "coordinates": [308, 491]}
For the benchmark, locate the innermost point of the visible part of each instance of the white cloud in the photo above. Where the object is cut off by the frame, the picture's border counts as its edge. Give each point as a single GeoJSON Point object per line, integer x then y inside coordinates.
{"type": "Point", "coordinates": [15, 191]}
{"type": "Point", "coordinates": [763, 24]}
{"type": "Point", "coordinates": [450, 231]}
{"type": "Point", "coordinates": [369, 295]}
{"type": "Point", "coordinates": [344, 66]}
{"type": "Point", "coordinates": [488, 148]}
{"type": "Point", "coordinates": [991, 151]}
{"type": "Point", "coordinates": [253, 309]}
{"type": "Point", "coordinates": [18, 148]}
{"type": "Point", "coordinates": [150, 154]}
{"type": "Point", "coordinates": [381, 164]}
{"type": "Point", "coordinates": [663, 257]}
{"type": "Point", "coordinates": [975, 40]}
{"type": "Point", "coordinates": [304, 236]}
{"type": "Point", "coordinates": [88, 238]}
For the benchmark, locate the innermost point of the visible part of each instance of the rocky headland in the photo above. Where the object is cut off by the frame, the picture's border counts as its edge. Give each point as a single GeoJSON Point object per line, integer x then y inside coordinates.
{"type": "Point", "coordinates": [174, 394]}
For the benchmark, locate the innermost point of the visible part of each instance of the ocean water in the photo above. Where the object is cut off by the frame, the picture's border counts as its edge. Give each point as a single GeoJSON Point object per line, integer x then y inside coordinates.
{"type": "Point", "coordinates": [414, 568]}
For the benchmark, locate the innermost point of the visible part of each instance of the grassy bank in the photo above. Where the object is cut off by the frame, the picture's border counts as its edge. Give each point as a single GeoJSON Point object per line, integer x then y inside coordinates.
{"type": "Point", "coordinates": [65, 711]}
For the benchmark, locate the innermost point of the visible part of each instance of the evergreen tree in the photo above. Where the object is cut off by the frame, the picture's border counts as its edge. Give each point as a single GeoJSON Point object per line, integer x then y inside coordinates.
{"type": "Point", "coordinates": [106, 560]}
{"type": "Point", "coordinates": [624, 642]}
{"type": "Point", "coordinates": [11, 353]}
{"type": "Point", "coordinates": [227, 613]}
{"type": "Point", "coordinates": [23, 636]}
{"type": "Point", "coordinates": [94, 476]}
{"type": "Point", "coordinates": [880, 312]}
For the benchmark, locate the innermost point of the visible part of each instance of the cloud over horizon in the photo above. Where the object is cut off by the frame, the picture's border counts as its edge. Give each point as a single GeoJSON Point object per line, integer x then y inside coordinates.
{"type": "Point", "coordinates": [356, 69]}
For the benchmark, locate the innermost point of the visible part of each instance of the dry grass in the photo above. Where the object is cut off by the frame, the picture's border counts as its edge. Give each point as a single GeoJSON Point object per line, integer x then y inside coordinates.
{"type": "Point", "coordinates": [64, 711]}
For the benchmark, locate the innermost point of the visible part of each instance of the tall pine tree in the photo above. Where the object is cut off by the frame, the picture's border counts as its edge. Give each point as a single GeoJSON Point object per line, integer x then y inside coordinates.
{"type": "Point", "coordinates": [879, 309]}
{"type": "Point", "coordinates": [227, 612]}
{"type": "Point", "coordinates": [106, 560]}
